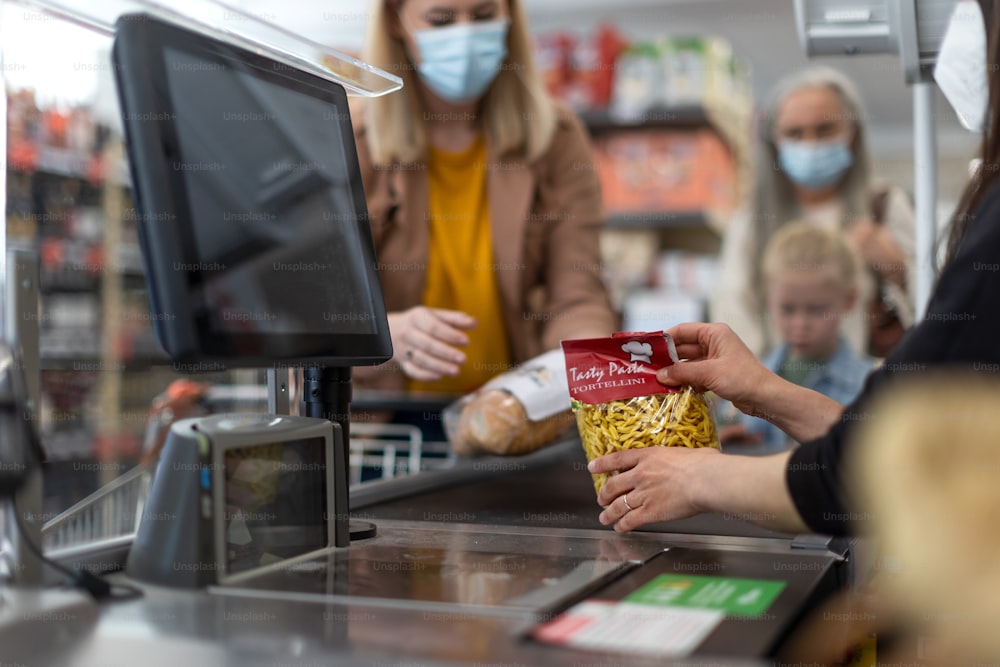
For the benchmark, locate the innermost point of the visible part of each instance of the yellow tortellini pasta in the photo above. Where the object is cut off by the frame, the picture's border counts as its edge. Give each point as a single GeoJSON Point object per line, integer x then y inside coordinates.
{"type": "Point", "coordinates": [681, 419]}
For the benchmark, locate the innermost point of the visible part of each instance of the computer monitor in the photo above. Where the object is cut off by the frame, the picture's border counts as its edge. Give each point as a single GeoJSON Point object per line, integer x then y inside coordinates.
{"type": "Point", "coordinates": [249, 204]}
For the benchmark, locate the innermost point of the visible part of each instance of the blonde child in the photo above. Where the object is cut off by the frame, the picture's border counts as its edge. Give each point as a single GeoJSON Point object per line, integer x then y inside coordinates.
{"type": "Point", "coordinates": [811, 279]}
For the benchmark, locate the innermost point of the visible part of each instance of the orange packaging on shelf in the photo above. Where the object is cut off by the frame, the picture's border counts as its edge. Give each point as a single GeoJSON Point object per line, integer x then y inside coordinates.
{"type": "Point", "coordinates": [665, 170]}
{"type": "Point", "coordinates": [56, 123]}
{"type": "Point", "coordinates": [22, 154]}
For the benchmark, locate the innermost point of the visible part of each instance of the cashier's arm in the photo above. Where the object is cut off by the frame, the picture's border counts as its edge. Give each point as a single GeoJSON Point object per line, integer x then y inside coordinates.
{"type": "Point", "coordinates": [665, 484]}
{"type": "Point", "coordinates": [671, 483]}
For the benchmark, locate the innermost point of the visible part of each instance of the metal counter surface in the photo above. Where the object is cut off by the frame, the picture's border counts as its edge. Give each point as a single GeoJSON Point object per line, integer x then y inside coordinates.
{"type": "Point", "coordinates": [418, 593]}
{"type": "Point", "coordinates": [464, 563]}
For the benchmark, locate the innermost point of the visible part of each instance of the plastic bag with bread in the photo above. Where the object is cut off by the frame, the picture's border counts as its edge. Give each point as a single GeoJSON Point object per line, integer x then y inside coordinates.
{"type": "Point", "coordinates": [515, 413]}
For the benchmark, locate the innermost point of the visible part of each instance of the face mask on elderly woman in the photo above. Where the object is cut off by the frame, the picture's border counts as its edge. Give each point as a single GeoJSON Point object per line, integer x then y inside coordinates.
{"type": "Point", "coordinates": [815, 165]}
{"type": "Point", "coordinates": [459, 62]}
{"type": "Point", "coordinates": [961, 65]}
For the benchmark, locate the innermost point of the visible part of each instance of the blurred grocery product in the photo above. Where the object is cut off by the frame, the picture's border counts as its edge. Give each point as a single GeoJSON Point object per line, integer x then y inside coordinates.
{"type": "Point", "coordinates": [658, 309]}
{"type": "Point", "coordinates": [670, 123]}
{"type": "Point", "coordinates": [665, 170]}
{"type": "Point", "coordinates": [603, 71]}
{"type": "Point", "coordinates": [686, 272]}
{"type": "Point", "coordinates": [580, 72]}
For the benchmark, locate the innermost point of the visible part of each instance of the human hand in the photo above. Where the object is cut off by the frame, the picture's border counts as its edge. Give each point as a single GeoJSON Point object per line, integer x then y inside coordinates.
{"type": "Point", "coordinates": [876, 247]}
{"type": "Point", "coordinates": [861, 233]}
{"type": "Point", "coordinates": [425, 341]}
{"type": "Point", "coordinates": [658, 484]}
{"type": "Point", "coordinates": [717, 361]}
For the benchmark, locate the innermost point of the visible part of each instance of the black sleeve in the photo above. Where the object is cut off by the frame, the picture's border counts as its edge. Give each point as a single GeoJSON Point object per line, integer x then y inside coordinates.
{"type": "Point", "coordinates": [961, 331]}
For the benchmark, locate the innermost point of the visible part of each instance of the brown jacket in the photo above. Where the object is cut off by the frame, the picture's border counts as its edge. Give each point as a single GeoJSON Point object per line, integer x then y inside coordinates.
{"type": "Point", "coordinates": [545, 220]}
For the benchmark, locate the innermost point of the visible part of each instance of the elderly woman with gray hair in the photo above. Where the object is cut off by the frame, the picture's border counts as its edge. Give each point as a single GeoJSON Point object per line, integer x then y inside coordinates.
{"type": "Point", "coordinates": [813, 164]}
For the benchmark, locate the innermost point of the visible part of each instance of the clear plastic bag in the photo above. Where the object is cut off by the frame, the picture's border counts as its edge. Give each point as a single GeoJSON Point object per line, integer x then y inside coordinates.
{"type": "Point", "coordinates": [620, 405]}
{"type": "Point", "coordinates": [515, 413]}
{"type": "Point", "coordinates": [678, 419]}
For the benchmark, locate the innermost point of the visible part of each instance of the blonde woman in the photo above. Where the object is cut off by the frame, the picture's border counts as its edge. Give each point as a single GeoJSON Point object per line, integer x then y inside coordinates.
{"type": "Point", "coordinates": [483, 200]}
{"type": "Point", "coordinates": [813, 164]}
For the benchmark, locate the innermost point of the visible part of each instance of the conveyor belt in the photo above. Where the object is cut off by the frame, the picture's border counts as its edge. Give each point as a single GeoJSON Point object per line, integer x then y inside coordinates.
{"type": "Point", "coordinates": [549, 488]}
{"type": "Point", "coordinates": [465, 562]}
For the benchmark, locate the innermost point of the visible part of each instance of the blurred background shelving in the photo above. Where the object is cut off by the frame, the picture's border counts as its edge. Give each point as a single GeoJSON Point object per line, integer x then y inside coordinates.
{"type": "Point", "coordinates": [665, 115]}
{"type": "Point", "coordinates": [670, 120]}
{"type": "Point", "coordinates": [68, 198]}
{"type": "Point", "coordinates": [663, 86]}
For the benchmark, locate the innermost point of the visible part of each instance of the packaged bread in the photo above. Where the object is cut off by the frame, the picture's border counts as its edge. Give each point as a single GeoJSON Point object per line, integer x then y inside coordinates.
{"type": "Point", "coordinates": [515, 413]}
{"type": "Point", "coordinates": [619, 404]}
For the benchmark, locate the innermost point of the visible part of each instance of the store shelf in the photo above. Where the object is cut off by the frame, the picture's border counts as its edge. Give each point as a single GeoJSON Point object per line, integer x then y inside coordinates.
{"type": "Point", "coordinates": [68, 163]}
{"type": "Point", "coordinates": [82, 282]}
{"type": "Point", "coordinates": [82, 364]}
{"type": "Point", "coordinates": [64, 346]}
{"type": "Point", "coordinates": [69, 281]}
{"type": "Point", "coordinates": [370, 399]}
{"type": "Point", "coordinates": [57, 354]}
{"type": "Point", "coordinates": [63, 446]}
{"type": "Point", "coordinates": [659, 220]}
{"type": "Point", "coordinates": [146, 351]}
{"type": "Point", "coordinates": [603, 120]}
{"type": "Point", "coordinates": [729, 123]}
{"type": "Point", "coordinates": [134, 281]}
{"type": "Point", "coordinates": [62, 363]}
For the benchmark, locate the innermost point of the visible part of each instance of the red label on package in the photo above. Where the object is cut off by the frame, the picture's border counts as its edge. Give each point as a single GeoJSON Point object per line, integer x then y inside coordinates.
{"type": "Point", "coordinates": [624, 366]}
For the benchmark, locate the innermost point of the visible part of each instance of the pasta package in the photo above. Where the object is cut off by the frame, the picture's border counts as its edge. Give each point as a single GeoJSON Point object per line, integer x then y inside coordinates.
{"type": "Point", "coordinates": [515, 413]}
{"type": "Point", "coordinates": [619, 404]}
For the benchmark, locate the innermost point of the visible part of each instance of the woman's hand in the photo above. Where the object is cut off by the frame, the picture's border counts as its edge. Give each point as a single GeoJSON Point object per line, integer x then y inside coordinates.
{"type": "Point", "coordinates": [878, 249]}
{"type": "Point", "coordinates": [657, 483]}
{"type": "Point", "coordinates": [671, 483]}
{"type": "Point", "coordinates": [718, 361]}
{"type": "Point", "coordinates": [426, 341]}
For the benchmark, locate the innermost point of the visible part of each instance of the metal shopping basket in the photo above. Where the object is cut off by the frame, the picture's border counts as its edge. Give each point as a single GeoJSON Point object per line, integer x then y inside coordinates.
{"type": "Point", "coordinates": [385, 451]}
{"type": "Point", "coordinates": [109, 515]}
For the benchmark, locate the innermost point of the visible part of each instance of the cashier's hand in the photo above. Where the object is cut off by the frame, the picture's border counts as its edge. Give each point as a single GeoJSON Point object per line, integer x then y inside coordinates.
{"type": "Point", "coordinates": [657, 483]}
{"type": "Point", "coordinates": [426, 341]}
{"type": "Point", "coordinates": [717, 361]}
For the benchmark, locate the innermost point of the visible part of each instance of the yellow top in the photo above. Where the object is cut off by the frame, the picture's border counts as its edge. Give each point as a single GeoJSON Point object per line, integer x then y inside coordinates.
{"type": "Point", "coordinates": [460, 264]}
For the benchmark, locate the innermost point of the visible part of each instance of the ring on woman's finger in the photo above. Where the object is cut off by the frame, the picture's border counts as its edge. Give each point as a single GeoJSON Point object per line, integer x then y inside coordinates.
{"type": "Point", "coordinates": [625, 500]}
{"type": "Point", "coordinates": [409, 355]}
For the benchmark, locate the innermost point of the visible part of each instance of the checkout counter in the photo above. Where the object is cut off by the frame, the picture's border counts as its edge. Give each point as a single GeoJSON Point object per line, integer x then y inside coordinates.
{"type": "Point", "coordinates": [490, 561]}
{"type": "Point", "coordinates": [466, 561]}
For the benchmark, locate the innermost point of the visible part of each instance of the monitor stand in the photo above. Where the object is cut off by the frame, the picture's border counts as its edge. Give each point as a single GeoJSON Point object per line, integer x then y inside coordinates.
{"type": "Point", "coordinates": [327, 395]}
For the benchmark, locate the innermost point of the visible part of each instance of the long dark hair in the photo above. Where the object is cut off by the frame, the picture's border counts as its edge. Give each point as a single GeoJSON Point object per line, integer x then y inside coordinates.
{"type": "Point", "coordinates": [989, 151]}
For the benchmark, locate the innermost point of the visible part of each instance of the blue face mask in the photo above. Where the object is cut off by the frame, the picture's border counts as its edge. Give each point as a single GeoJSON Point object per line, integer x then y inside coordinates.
{"type": "Point", "coordinates": [815, 166]}
{"type": "Point", "coordinates": [459, 62]}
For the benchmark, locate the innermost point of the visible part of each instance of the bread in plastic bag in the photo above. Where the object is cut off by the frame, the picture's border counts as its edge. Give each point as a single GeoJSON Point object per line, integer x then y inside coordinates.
{"type": "Point", "coordinates": [515, 413]}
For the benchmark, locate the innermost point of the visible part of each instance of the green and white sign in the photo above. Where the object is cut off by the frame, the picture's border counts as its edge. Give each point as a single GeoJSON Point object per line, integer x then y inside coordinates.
{"type": "Point", "coordinates": [735, 597]}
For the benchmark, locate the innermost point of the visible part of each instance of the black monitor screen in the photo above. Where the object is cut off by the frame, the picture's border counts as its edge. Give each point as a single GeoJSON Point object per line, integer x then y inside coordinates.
{"type": "Point", "coordinates": [271, 211]}
{"type": "Point", "coordinates": [251, 214]}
